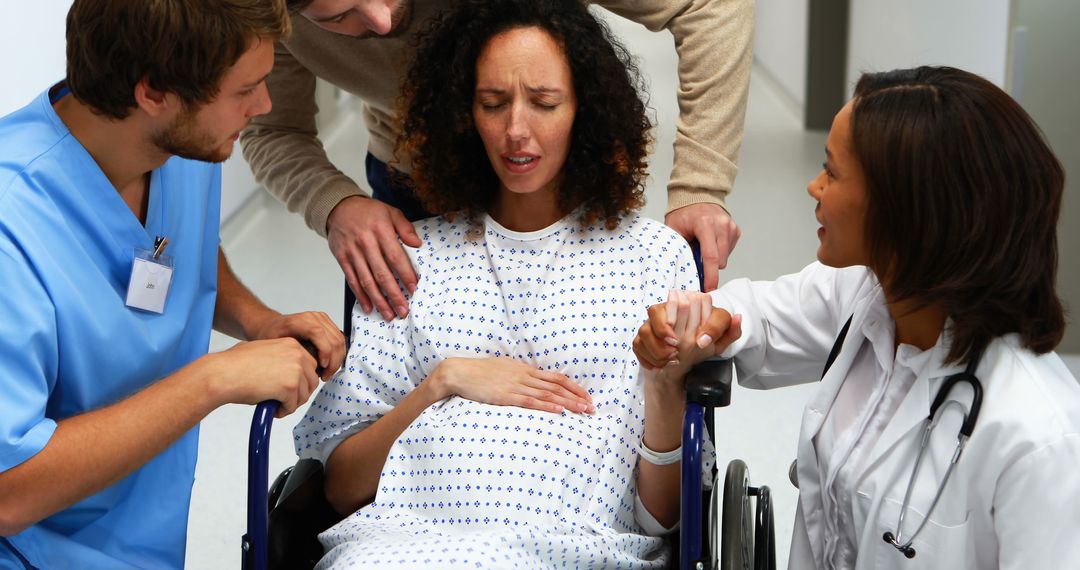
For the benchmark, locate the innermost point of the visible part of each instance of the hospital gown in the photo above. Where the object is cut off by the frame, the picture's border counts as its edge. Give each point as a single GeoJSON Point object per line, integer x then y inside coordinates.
{"type": "Point", "coordinates": [471, 485]}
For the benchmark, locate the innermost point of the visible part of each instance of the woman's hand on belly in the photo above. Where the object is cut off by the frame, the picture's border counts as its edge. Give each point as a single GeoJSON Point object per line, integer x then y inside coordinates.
{"type": "Point", "coordinates": [504, 381]}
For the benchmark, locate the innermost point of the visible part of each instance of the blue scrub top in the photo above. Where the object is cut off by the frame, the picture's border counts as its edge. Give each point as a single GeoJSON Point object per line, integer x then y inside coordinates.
{"type": "Point", "coordinates": [69, 344]}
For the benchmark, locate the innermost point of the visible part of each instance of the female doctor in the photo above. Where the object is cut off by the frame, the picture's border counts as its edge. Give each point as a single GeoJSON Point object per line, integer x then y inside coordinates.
{"type": "Point", "coordinates": [938, 205]}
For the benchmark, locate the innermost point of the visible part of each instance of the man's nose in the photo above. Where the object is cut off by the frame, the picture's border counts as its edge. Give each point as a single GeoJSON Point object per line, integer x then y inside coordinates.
{"type": "Point", "coordinates": [377, 16]}
{"type": "Point", "coordinates": [262, 104]}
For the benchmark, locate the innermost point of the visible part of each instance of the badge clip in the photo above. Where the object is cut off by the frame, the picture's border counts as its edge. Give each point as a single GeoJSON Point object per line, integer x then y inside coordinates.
{"type": "Point", "coordinates": [159, 246]}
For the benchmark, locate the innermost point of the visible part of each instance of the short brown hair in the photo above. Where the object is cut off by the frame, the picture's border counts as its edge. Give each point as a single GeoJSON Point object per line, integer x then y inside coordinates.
{"type": "Point", "coordinates": [963, 200]}
{"type": "Point", "coordinates": [180, 46]}
{"type": "Point", "coordinates": [605, 169]}
{"type": "Point", "coordinates": [297, 5]}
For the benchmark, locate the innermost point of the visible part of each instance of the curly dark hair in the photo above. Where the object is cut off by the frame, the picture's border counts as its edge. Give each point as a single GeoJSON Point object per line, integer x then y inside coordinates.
{"type": "Point", "coordinates": [605, 168]}
{"type": "Point", "coordinates": [963, 196]}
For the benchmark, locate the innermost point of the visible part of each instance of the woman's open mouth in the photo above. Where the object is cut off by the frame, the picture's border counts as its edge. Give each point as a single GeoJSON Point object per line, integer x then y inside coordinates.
{"type": "Point", "coordinates": [521, 163]}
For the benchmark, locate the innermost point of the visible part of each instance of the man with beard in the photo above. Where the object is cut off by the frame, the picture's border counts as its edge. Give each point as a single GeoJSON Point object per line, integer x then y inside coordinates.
{"type": "Point", "coordinates": [113, 277]}
{"type": "Point", "coordinates": [364, 47]}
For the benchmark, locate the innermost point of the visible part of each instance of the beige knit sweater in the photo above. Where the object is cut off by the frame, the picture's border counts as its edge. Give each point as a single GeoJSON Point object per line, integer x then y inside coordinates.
{"type": "Point", "coordinates": [712, 38]}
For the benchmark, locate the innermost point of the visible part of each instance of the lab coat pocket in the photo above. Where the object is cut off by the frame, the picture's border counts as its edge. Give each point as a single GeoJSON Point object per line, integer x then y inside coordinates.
{"type": "Point", "coordinates": [937, 545]}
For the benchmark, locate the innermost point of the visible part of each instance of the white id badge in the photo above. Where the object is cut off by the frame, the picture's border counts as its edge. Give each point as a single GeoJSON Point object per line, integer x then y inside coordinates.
{"type": "Point", "coordinates": [150, 280]}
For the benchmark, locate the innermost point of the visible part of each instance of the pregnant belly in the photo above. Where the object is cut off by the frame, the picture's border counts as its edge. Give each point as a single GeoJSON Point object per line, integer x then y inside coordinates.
{"type": "Point", "coordinates": [462, 462]}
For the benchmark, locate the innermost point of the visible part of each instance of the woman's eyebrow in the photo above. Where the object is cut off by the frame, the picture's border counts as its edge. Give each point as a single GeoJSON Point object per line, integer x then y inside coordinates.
{"type": "Point", "coordinates": [541, 90]}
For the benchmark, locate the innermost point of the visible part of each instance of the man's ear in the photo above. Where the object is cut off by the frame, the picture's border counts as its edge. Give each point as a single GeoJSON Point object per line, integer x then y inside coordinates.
{"type": "Point", "coordinates": [154, 102]}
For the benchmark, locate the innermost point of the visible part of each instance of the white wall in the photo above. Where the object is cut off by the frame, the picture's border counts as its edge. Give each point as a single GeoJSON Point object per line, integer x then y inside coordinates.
{"type": "Point", "coordinates": [31, 49]}
{"type": "Point", "coordinates": [1047, 90]}
{"type": "Point", "coordinates": [887, 34]}
{"type": "Point", "coordinates": [237, 185]}
{"type": "Point", "coordinates": [780, 36]}
{"type": "Point", "coordinates": [658, 64]}
{"type": "Point", "coordinates": [32, 59]}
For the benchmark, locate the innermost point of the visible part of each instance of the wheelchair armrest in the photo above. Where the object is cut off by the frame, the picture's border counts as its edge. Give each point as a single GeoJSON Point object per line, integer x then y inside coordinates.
{"type": "Point", "coordinates": [298, 513]}
{"type": "Point", "coordinates": [709, 383]}
{"type": "Point", "coordinates": [296, 485]}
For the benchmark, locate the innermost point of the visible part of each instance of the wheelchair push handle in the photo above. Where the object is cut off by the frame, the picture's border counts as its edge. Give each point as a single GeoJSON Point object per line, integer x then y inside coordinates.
{"type": "Point", "coordinates": [266, 410]}
{"type": "Point", "coordinates": [254, 543]}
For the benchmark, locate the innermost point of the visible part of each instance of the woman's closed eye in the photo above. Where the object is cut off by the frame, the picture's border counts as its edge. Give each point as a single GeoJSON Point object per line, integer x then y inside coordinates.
{"type": "Point", "coordinates": [491, 105]}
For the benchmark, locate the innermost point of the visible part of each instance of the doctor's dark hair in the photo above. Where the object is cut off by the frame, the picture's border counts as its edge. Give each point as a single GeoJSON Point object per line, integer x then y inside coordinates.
{"type": "Point", "coordinates": [181, 46]}
{"type": "Point", "coordinates": [605, 167]}
{"type": "Point", "coordinates": [963, 196]}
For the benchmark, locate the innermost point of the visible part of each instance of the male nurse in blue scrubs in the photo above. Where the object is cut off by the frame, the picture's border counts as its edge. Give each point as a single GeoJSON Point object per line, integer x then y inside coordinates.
{"type": "Point", "coordinates": [112, 277]}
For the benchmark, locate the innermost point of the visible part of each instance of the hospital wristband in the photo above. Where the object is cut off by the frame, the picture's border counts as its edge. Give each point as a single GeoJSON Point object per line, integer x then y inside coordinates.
{"type": "Point", "coordinates": [659, 458]}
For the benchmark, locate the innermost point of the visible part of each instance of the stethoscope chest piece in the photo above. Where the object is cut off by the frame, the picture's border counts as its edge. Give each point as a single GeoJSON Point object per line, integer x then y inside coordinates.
{"type": "Point", "coordinates": [907, 549]}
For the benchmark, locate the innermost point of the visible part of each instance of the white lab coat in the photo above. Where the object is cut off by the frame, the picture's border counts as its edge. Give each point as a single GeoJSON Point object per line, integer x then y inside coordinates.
{"type": "Point", "coordinates": [1013, 501]}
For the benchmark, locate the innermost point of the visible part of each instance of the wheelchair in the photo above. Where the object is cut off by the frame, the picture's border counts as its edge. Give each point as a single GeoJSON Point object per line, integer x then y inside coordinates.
{"type": "Point", "coordinates": [285, 519]}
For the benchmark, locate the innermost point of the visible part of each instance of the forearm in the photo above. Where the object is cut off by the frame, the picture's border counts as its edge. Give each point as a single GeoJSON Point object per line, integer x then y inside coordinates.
{"type": "Point", "coordinates": [790, 324]}
{"type": "Point", "coordinates": [284, 150]}
{"type": "Point", "coordinates": [658, 485]}
{"type": "Point", "coordinates": [294, 168]}
{"type": "Point", "coordinates": [89, 452]}
{"type": "Point", "coordinates": [238, 312]}
{"type": "Point", "coordinates": [353, 469]}
{"type": "Point", "coordinates": [714, 40]}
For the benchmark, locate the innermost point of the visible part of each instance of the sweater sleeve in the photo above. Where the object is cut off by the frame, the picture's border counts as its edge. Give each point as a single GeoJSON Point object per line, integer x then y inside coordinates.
{"type": "Point", "coordinates": [713, 39]}
{"type": "Point", "coordinates": [284, 150]}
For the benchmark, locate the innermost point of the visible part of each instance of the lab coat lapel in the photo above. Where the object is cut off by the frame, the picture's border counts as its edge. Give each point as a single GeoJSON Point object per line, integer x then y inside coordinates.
{"type": "Point", "coordinates": [813, 419]}
{"type": "Point", "coordinates": [909, 416]}
{"type": "Point", "coordinates": [818, 408]}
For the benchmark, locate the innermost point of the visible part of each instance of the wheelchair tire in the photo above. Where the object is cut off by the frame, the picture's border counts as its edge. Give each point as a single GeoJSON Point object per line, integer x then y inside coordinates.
{"type": "Point", "coordinates": [737, 520]}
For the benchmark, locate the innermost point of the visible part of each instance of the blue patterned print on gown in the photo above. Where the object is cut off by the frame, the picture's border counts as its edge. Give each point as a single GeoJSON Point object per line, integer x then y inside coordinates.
{"type": "Point", "coordinates": [471, 485]}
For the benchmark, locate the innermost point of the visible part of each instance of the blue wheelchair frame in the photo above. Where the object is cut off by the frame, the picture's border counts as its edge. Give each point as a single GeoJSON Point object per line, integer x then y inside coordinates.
{"type": "Point", "coordinates": [708, 386]}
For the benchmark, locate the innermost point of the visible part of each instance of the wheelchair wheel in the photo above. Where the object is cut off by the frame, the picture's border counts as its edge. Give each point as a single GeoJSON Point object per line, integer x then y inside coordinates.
{"type": "Point", "coordinates": [737, 524]}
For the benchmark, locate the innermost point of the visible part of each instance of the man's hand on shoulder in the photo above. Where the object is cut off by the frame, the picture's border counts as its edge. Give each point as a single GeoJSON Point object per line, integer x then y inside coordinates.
{"type": "Point", "coordinates": [364, 235]}
{"type": "Point", "coordinates": [715, 231]}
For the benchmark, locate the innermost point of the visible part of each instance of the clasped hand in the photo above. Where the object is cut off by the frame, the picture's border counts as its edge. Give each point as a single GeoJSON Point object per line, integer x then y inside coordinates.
{"type": "Point", "coordinates": [682, 332]}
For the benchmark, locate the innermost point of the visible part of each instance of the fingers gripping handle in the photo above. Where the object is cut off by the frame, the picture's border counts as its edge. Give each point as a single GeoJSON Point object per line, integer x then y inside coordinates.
{"type": "Point", "coordinates": [314, 352]}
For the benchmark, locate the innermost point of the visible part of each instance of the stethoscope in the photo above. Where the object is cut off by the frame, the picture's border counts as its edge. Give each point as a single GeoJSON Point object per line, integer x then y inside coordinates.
{"type": "Point", "coordinates": [901, 541]}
